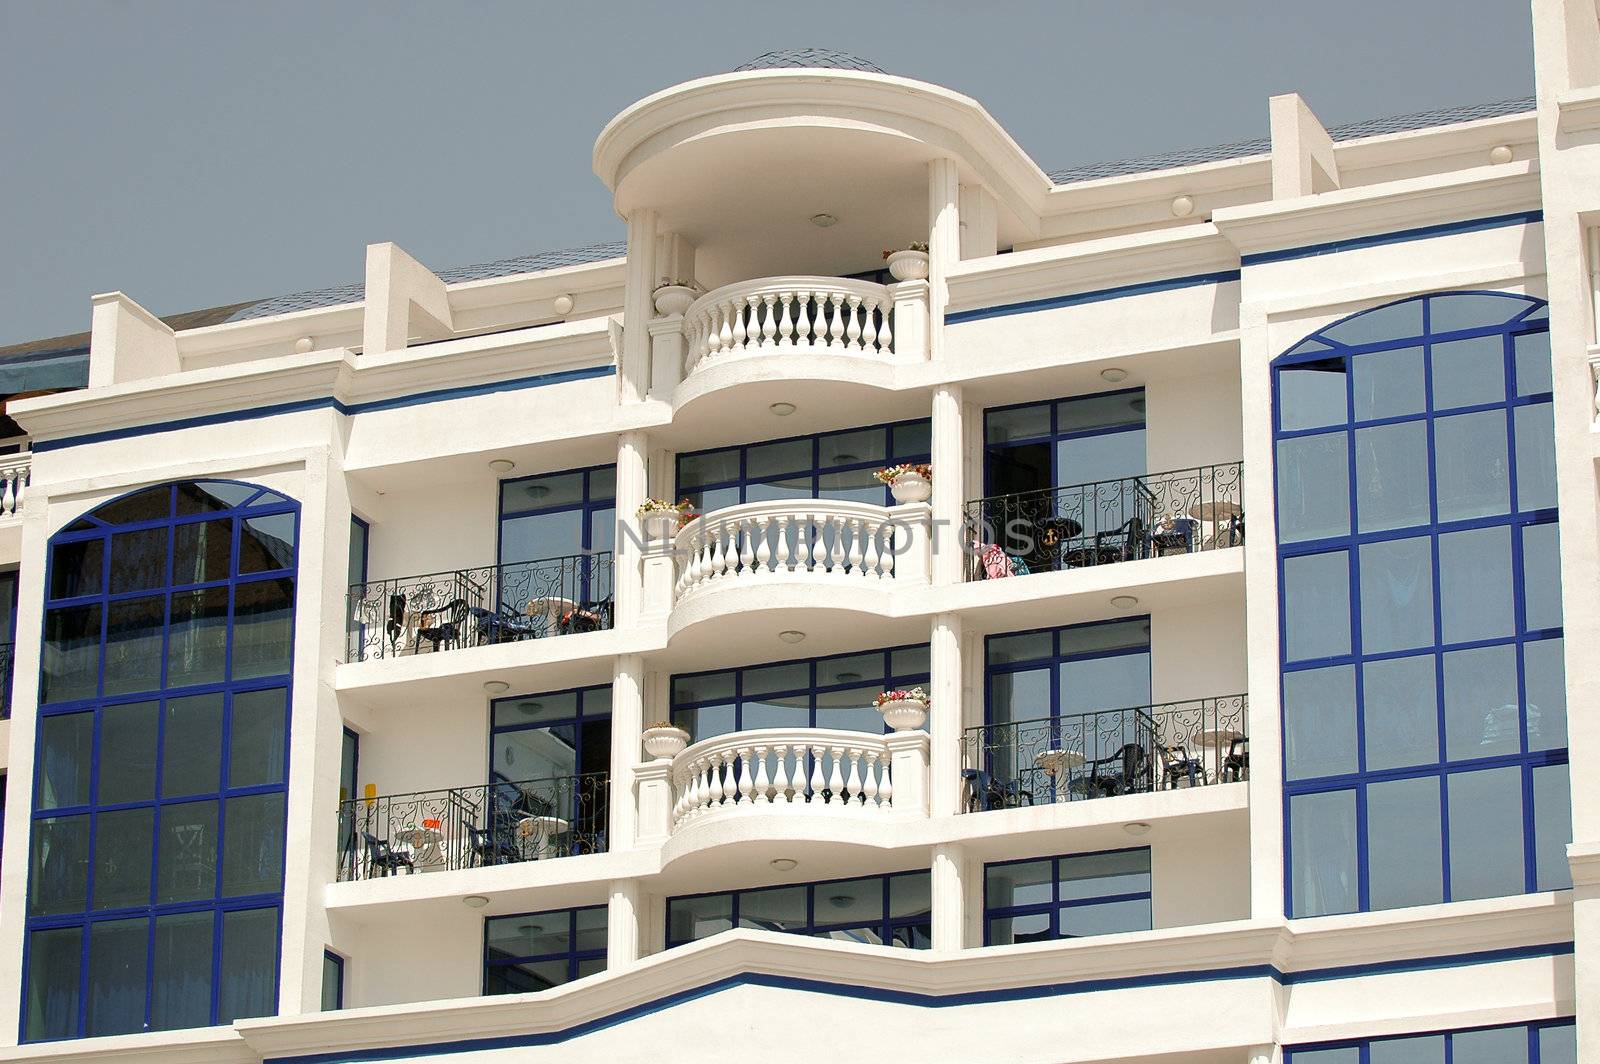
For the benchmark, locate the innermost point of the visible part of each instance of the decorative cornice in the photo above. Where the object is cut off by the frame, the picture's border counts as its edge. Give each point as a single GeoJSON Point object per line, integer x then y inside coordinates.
{"type": "Point", "coordinates": [1579, 110]}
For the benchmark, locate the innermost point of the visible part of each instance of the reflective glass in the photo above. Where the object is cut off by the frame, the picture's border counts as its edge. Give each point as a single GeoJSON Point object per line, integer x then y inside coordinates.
{"type": "Point", "coordinates": [1116, 681]}
{"type": "Point", "coordinates": [202, 551]}
{"type": "Point", "coordinates": [1029, 927]}
{"type": "Point", "coordinates": [1428, 1049]}
{"type": "Point", "coordinates": [77, 568]}
{"type": "Point", "coordinates": [538, 493]}
{"type": "Point", "coordinates": [1311, 395]}
{"type": "Point", "coordinates": [1536, 457]}
{"type": "Point", "coordinates": [148, 504]}
{"type": "Point", "coordinates": [1541, 576]}
{"type": "Point", "coordinates": [266, 543]}
{"type": "Point", "coordinates": [1400, 712]}
{"type": "Point", "coordinates": [711, 467]}
{"type": "Point", "coordinates": [256, 738]}
{"type": "Point", "coordinates": [1316, 606]}
{"type": "Point", "coordinates": [1485, 833]}
{"type": "Point", "coordinates": [180, 977]}
{"type": "Point", "coordinates": [1028, 646]}
{"type": "Point", "coordinates": [116, 977]}
{"type": "Point", "coordinates": [1103, 918]}
{"type": "Point", "coordinates": [71, 666]}
{"type": "Point", "coordinates": [1015, 696]}
{"type": "Point", "coordinates": [1545, 683]}
{"type": "Point", "coordinates": [1013, 885]}
{"type": "Point", "coordinates": [1481, 715]}
{"type": "Point", "coordinates": [58, 865]}
{"type": "Point", "coordinates": [247, 976]}
{"type": "Point", "coordinates": [1559, 1044]}
{"type": "Point", "coordinates": [123, 841]}
{"type": "Point", "coordinates": [1388, 384]}
{"type": "Point", "coordinates": [1469, 372]}
{"type": "Point", "coordinates": [1096, 875]}
{"type": "Point", "coordinates": [1313, 487]}
{"type": "Point", "coordinates": [1475, 595]}
{"type": "Point", "coordinates": [1322, 841]}
{"type": "Point", "coordinates": [128, 766]}
{"type": "Point", "coordinates": [133, 644]}
{"type": "Point", "coordinates": [1343, 1055]}
{"type": "Point", "coordinates": [1396, 595]}
{"type": "Point", "coordinates": [252, 850]}
{"type": "Point", "coordinates": [1391, 475]}
{"type": "Point", "coordinates": [691, 919]}
{"type": "Point", "coordinates": [263, 624]}
{"type": "Point", "coordinates": [66, 757]}
{"type": "Point", "coordinates": [777, 459]}
{"type": "Point", "coordinates": [1017, 423]}
{"type": "Point", "coordinates": [55, 965]}
{"type": "Point", "coordinates": [1472, 477]}
{"type": "Point", "coordinates": [206, 496]}
{"type": "Point", "coordinates": [1552, 827]}
{"type": "Point", "coordinates": [1458, 311]}
{"type": "Point", "coordinates": [1101, 457]}
{"type": "Point", "coordinates": [1405, 851]}
{"type": "Point", "coordinates": [1499, 1045]}
{"type": "Point", "coordinates": [192, 745]}
{"type": "Point", "coordinates": [536, 536]}
{"type": "Point", "coordinates": [186, 861]}
{"type": "Point", "coordinates": [1533, 363]}
{"type": "Point", "coordinates": [853, 448]}
{"type": "Point", "coordinates": [1319, 720]}
{"type": "Point", "coordinates": [1396, 321]}
{"type": "Point", "coordinates": [198, 637]}
{"type": "Point", "coordinates": [783, 909]}
{"type": "Point", "coordinates": [138, 560]}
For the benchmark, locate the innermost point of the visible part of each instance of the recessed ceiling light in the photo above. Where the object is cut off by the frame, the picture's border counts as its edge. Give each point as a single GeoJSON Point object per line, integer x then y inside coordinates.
{"type": "Point", "coordinates": [475, 901]}
{"type": "Point", "coordinates": [784, 864]}
{"type": "Point", "coordinates": [536, 491]}
{"type": "Point", "coordinates": [840, 901]}
{"type": "Point", "coordinates": [496, 687]}
{"type": "Point", "coordinates": [529, 708]}
{"type": "Point", "coordinates": [1138, 827]}
{"type": "Point", "coordinates": [1114, 374]}
{"type": "Point", "coordinates": [502, 465]}
{"type": "Point", "coordinates": [1124, 602]}
{"type": "Point", "coordinates": [532, 929]}
{"type": "Point", "coordinates": [782, 409]}
{"type": "Point", "coordinates": [846, 458]}
{"type": "Point", "coordinates": [823, 220]}
{"type": "Point", "coordinates": [849, 677]}
{"type": "Point", "coordinates": [792, 636]}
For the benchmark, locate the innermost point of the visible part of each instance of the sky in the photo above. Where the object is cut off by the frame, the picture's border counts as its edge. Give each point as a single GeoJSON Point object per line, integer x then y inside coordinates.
{"type": "Point", "coordinates": [193, 154]}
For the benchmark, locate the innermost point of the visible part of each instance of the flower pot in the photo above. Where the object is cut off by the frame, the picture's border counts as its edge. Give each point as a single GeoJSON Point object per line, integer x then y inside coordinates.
{"type": "Point", "coordinates": [911, 487]}
{"type": "Point", "coordinates": [660, 524]}
{"type": "Point", "coordinates": [675, 298]}
{"type": "Point", "coordinates": [664, 743]}
{"type": "Point", "coordinates": [909, 265]}
{"type": "Point", "coordinates": [905, 714]}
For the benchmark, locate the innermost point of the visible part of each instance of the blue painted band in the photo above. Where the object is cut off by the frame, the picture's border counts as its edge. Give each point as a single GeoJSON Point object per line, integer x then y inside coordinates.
{"type": "Point", "coordinates": [330, 403]}
{"type": "Point", "coordinates": [1098, 296]}
{"type": "Point", "coordinates": [921, 1000]}
{"type": "Point", "coordinates": [1473, 225]}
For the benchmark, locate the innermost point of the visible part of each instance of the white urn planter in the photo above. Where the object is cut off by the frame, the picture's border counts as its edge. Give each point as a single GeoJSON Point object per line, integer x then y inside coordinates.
{"type": "Point", "coordinates": [675, 298]}
{"type": "Point", "coordinates": [905, 714]}
{"type": "Point", "coordinates": [659, 524]}
{"type": "Point", "coordinates": [909, 265]}
{"type": "Point", "coordinates": [911, 487]}
{"type": "Point", "coordinates": [665, 743]}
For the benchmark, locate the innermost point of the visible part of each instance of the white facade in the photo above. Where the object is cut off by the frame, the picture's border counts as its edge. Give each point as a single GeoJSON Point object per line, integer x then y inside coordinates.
{"type": "Point", "coordinates": [409, 408]}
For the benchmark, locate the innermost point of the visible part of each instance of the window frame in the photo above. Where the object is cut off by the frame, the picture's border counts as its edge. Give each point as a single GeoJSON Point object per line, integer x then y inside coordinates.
{"type": "Point", "coordinates": [572, 955]}
{"type": "Point", "coordinates": [1363, 1046]}
{"type": "Point", "coordinates": [1056, 435]}
{"type": "Point", "coordinates": [1053, 907]}
{"type": "Point", "coordinates": [815, 471]}
{"type": "Point", "coordinates": [886, 925]}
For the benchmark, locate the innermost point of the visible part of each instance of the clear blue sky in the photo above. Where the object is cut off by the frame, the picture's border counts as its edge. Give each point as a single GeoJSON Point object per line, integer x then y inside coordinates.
{"type": "Point", "coordinates": [199, 153]}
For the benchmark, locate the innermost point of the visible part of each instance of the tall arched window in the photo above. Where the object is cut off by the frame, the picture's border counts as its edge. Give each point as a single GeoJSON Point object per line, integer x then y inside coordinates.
{"type": "Point", "coordinates": [155, 877]}
{"type": "Point", "coordinates": [1424, 705]}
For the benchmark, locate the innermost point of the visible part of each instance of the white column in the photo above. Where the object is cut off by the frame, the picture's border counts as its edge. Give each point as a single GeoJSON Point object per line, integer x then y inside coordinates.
{"type": "Point", "coordinates": [979, 225]}
{"type": "Point", "coordinates": [627, 731]}
{"type": "Point", "coordinates": [625, 911]}
{"type": "Point", "coordinates": [638, 305]}
{"type": "Point", "coordinates": [953, 879]}
{"type": "Point", "coordinates": [944, 713]}
{"type": "Point", "coordinates": [949, 484]}
{"type": "Point", "coordinates": [632, 484]}
{"type": "Point", "coordinates": [944, 244]}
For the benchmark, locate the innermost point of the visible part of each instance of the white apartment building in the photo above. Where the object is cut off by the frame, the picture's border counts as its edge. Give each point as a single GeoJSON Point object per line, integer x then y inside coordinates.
{"type": "Point", "coordinates": [358, 713]}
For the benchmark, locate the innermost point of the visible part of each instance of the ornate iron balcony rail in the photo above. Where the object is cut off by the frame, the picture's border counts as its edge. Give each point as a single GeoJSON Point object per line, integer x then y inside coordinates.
{"type": "Point", "coordinates": [504, 822]}
{"type": "Point", "coordinates": [1107, 521]}
{"type": "Point", "coordinates": [474, 607]}
{"type": "Point", "coordinates": [8, 657]}
{"type": "Point", "coordinates": [1105, 753]}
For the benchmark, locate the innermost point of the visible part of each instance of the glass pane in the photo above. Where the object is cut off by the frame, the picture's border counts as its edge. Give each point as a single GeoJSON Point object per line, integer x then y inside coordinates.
{"type": "Point", "coordinates": [1319, 719]}
{"type": "Point", "coordinates": [538, 493]}
{"type": "Point", "coordinates": [911, 440]}
{"type": "Point", "coordinates": [55, 962]}
{"type": "Point", "coordinates": [1030, 927]}
{"type": "Point", "coordinates": [123, 842]}
{"type": "Point", "coordinates": [192, 746]}
{"type": "Point", "coordinates": [180, 977]}
{"type": "Point", "coordinates": [1396, 595]}
{"type": "Point", "coordinates": [1552, 827]}
{"type": "Point", "coordinates": [1400, 712]}
{"type": "Point", "coordinates": [850, 710]}
{"type": "Point", "coordinates": [858, 902]}
{"type": "Point", "coordinates": [1485, 834]}
{"type": "Point", "coordinates": [252, 852]}
{"type": "Point", "coordinates": [548, 535]}
{"type": "Point", "coordinates": [706, 722]}
{"type": "Point", "coordinates": [1388, 384]}
{"type": "Point", "coordinates": [1405, 855]}
{"type": "Point", "coordinates": [912, 661]}
{"type": "Point", "coordinates": [773, 678]}
{"type": "Point", "coordinates": [529, 935]}
{"type": "Point", "coordinates": [691, 919]}
{"type": "Point", "coordinates": [1429, 1049]}
{"type": "Point", "coordinates": [76, 568]}
{"type": "Point", "coordinates": [712, 467]}
{"type": "Point", "coordinates": [1017, 696]}
{"type": "Point", "coordinates": [1470, 467]}
{"type": "Point", "coordinates": [854, 485]}
{"type": "Point", "coordinates": [1116, 681]}
{"type": "Point", "coordinates": [1344, 1055]}
{"type": "Point", "coordinates": [1029, 646]}
{"type": "Point", "coordinates": [535, 708]}
{"type": "Point", "coordinates": [1322, 840]}
{"type": "Point", "coordinates": [1559, 1044]}
{"type": "Point", "coordinates": [58, 865]}
{"type": "Point", "coordinates": [1481, 717]}
{"type": "Point", "coordinates": [263, 623]}
{"type": "Point", "coordinates": [1457, 311]}
{"type": "Point", "coordinates": [590, 929]}
{"type": "Point", "coordinates": [1106, 456]}
{"type": "Point", "coordinates": [202, 551]}
{"type": "Point", "coordinates": [1017, 423]}
{"type": "Point", "coordinates": [128, 768]}
{"type": "Point", "coordinates": [1392, 476]}
{"type": "Point", "coordinates": [116, 977]}
{"type": "Point", "coordinates": [1397, 321]}
{"type": "Point", "coordinates": [1536, 457]}
{"type": "Point", "coordinates": [71, 666]}
{"type": "Point", "coordinates": [198, 639]}
{"type": "Point", "coordinates": [360, 533]}
{"type": "Point", "coordinates": [775, 459]}
{"type": "Point", "coordinates": [910, 895]}
{"type": "Point", "coordinates": [1104, 918]}
{"type": "Point", "coordinates": [1532, 353]}
{"type": "Point", "coordinates": [1500, 1045]}
{"type": "Point", "coordinates": [1097, 875]}
{"type": "Point", "coordinates": [853, 448]}
{"type": "Point", "coordinates": [133, 645]}
{"type": "Point", "coordinates": [332, 983]}
{"type": "Point", "coordinates": [1469, 372]}
{"type": "Point", "coordinates": [266, 543]}
{"type": "Point", "coordinates": [1311, 395]}
{"type": "Point", "coordinates": [256, 740]}
{"type": "Point", "coordinates": [853, 669]}
{"type": "Point", "coordinates": [186, 863]}
{"type": "Point", "coordinates": [1475, 585]}
{"type": "Point", "coordinates": [1011, 885]}
{"type": "Point", "coordinates": [1316, 606]}
{"type": "Point", "coordinates": [1313, 487]}
{"type": "Point", "coordinates": [1545, 683]}
{"type": "Point", "coordinates": [1101, 411]}
{"type": "Point", "coordinates": [205, 496]}
{"type": "Point", "coordinates": [1541, 576]}
{"type": "Point", "coordinates": [66, 756]}
{"type": "Point", "coordinates": [247, 976]}
{"type": "Point", "coordinates": [528, 977]}
{"type": "Point", "coordinates": [783, 909]}
{"type": "Point", "coordinates": [138, 560]}
{"type": "Point", "coordinates": [536, 753]}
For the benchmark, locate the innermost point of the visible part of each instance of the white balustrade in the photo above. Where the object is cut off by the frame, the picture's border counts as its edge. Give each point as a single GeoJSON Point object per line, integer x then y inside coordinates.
{"type": "Point", "coordinates": [15, 471]}
{"type": "Point", "coordinates": [776, 314]}
{"type": "Point", "coordinates": [817, 768]}
{"type": "Point", "coordinates": [831, 539]}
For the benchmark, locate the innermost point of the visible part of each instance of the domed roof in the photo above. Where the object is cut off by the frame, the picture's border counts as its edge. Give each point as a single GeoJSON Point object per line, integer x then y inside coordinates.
{"type": "Point", "coordinates": [825, 58]}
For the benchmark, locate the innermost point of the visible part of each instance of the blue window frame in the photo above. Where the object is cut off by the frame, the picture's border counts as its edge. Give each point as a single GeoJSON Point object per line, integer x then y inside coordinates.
{"type": "Point", "coordinates": [561, 740]}
{"type": "Point", "coordinates": [360, 544]}
{"type": "Point", "coordinates": [888, 910]}
{"type": "Point", "coordinates": [1420, 622]}
{"type": "Point", "coordinates": [536, 951]}
{"type": "Point", "coordinates": [829, 465]}
{"type": "Point", "coordinates": [1072, 896]}
{"type": "Point", "coordinates": [161, 765]}
{"type": "Point", "coordinates": [1077, 440]}
{"type": "Point", "coordinates": [1550, 1042]}
{"type": "Point", "coordinates": [332, 981]}
{"type": "Point", "coordinates": [559, 515]}
{"type": "Point", "coordinates": [830, 692]}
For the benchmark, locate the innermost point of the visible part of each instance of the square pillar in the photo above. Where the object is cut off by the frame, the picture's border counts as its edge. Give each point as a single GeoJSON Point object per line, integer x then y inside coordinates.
{"type": "Point", "coordinates": [949, 484]}
{"type": "Point", "coordinates": [945, 714]}
{"type": "Point", "coordinates": [653, 784]}
{"type": "Point", "coordinates": [908, 768]}
{"type": "Point", "coordinates": [666, 356]}
{"type": "Point", "coordinates": [910, 320]}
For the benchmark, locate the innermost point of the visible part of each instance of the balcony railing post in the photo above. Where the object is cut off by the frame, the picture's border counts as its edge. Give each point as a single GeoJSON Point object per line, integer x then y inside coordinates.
{"type": "Point", "coordinates": [667, 346]}
{"type": "Point", "coordinates": [910, 320]}
{"type": "Point", "coordinates": [913, 532]}
{"type": "Point", "coordinates": [654, 785]}
{"type": "Point", "coordinates": [908, 768]}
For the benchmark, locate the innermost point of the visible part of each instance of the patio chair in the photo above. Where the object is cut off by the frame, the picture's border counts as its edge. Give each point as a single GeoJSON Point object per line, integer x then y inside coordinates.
{"type": "Point", "coordinates": [396, 625]}
{"type": "Point", "coordinates": [491, 847]}
{"type": "Point", "coordinates": [1124, 543]}
{"type": "Point", "coordinates": [1123, 772]}
{"type": "Point", "coordinates": [384, 857]}
{"type": "Point", "coordinates": [1174, 536]}
{"type": "Point", "coordinates": [446, 632]}
{"type": "Point", "coordinates": [1176, 764]}
{"type": "Point", "coordinates": [986, 792]}
{"type": "Point", "coordinates": [503, 627]}
{"type": "Point", "coordinates": [1236, 765]}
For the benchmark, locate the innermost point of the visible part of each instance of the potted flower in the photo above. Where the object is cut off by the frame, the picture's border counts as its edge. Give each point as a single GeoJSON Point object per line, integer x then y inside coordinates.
{"type": "Point", "coordinates": [908, 482]}
{"type": "Point", "coordinates": [910, 264]}
{"type": "Point", "coordinates": [673, 296]}
{"type": "Point", "coordinates": [662, 519]}
{"type": "Point", "coordinates": [663, 739]}
{"type": "Point", "coordinates": [903, 710]}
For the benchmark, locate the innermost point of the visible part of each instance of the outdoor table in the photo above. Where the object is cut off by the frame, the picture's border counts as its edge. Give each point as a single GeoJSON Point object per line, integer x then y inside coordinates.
{"type": "Point", "coordinates": [1051, 762]}
{"type": "Point", "coordinates": [535, 833]}
{"type": "Point", "coordinates": [549, 610]}
{"type": "Point", "coordinates": [1215, 741]}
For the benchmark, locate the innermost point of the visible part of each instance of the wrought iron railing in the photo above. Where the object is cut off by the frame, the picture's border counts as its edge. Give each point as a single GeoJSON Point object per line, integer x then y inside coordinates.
{"type": "Point", "coordinates": [504, 822]}
{"type": "Point", "coordinates": [8, 656]}
{"type": "Point", "coordinates": [1105, 753]}
{"type": "Point", "coordinates": [1107, 521]}
{"type": "Point", "coordinates": [474, 607]}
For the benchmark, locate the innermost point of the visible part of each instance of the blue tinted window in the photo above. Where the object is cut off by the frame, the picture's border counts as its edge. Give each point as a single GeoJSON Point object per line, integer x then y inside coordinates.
{"type": "Point", "coordinates": [892, 910]}
{"type": "Point", "coordinates": [833, 465]}
{"type": "Point", "coordinates": [529, 952]}
{"type": "Point", "coordinates": [1067, 897]}
{"type": "Point", "coordinates": [1550, 1042]}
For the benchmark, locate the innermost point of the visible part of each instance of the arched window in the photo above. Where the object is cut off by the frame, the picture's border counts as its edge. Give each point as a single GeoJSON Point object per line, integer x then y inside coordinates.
{"type": "Point", "coordinates": [1420, 607]}
{"type": "Point", "coordinates": [155, 877]}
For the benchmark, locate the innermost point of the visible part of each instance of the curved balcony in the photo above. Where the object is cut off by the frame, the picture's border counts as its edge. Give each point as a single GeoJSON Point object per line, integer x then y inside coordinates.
{"type": "Point", "coordinates": [784, 314]}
